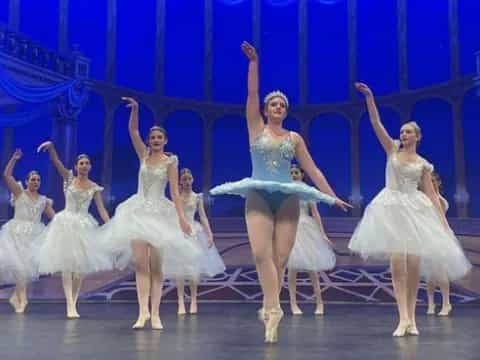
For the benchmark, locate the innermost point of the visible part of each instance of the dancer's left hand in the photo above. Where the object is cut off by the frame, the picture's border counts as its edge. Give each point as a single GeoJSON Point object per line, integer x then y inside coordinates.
{"type": "Point", "coordinates": [343, 205]}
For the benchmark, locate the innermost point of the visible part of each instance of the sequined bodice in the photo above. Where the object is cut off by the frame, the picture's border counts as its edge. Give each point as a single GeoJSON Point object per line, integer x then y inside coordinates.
{"type": "Point", "coordinates": [28, 209]}
{"type": "Point", "coordinates": [403, 177]}
{"type": "Point", "coordinates": [152, 179]}
{"type": "Point", "coordinates": [78, 200]}
{"type": "Point", "coordinates": [271, 158]}
{"type": "Point", "coordinates": [190, 205]}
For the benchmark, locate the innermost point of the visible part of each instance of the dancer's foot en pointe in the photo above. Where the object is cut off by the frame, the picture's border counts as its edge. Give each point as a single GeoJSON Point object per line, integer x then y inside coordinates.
{"type": "Point", "coordinates": [14, 302]}
{"type": "Point", "coordinates": [319, 310]}
{"type": "Point", "coordinates": [431, 309]}
{"type": "Point", "coordinates": [295, 309]}
{"type": "Point", "coordinates": [445, 311]}
{"type": "Point", "coordinates": [401, 329]}
{"type": "Point", "coordinates": [72, 312]}
{"type": "Point", "coordinates": [412, 330]}
{"type": "Point", "coordinates": [181, 308]}
{"type": "Point", "coordinates": [142, 319]}
{"type": "Point", "coordinates": [156, 323]}
{"type": "Point", "coordinates": [193, 307]}
{"type": "Point", "coordinates": [271, 325]}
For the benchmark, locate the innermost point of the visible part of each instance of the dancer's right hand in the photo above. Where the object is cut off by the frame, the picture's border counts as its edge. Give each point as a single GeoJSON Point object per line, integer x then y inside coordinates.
{"type": "Point", "coordinates": [363, 88]}
{"type": "Point", "coordinates": [45, 146]}
{"type": "Point", "coordinates": [185, 226]}
{"type": "Point", "coordinates": [17, 155]}
{"type": "Point", "coordinates": [131, 102]}
{"type": "Point", "coordinates": [249, 51]}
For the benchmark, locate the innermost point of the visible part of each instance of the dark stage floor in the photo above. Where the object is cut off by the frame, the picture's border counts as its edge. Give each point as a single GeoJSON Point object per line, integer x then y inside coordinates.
{"type": "Point", "coordinates": [231, 331]}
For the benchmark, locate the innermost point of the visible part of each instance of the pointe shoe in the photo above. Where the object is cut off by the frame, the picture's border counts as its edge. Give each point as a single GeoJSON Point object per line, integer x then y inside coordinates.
{"type": "Point", "coordinates": [296, 310]}
{"type": "Point", "coordinates": [193, 308]}
{"type": "Point", "coordinates": [319, 310]}
{"type": "Point", "coordinates": [271, 325]}
{"type": "Point", "coordinates": [140, 323]}
{"type": "Point", "coordinates": [181, 310]}
{"type": "Point", "coordinates": [21, 307]}
{"type": "Point", "coordinates": [445, 310]}
{"type": "Point", "coordinates": [14, 302]}
{"type": "Point", "coordinates": [262, 314]}
{"type": "Point", "coordinates": [431, 309]}
{"type": "Point", "coordinates": [156, 323]}
{"type": "Point", "coordinates": [401, 330]}
{"type": "Point", "coordinates": [412, 330]}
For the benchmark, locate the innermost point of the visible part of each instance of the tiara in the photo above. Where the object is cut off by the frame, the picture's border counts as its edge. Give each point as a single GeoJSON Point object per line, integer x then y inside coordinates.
{"type": "Point", "coordinates": [273, 94]}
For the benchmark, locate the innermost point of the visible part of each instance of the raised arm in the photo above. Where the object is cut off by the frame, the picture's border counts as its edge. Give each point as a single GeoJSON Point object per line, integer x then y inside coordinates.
{"type": "Point", "coordinates": [255, 122]}
{"type": "Point", "coordinates": [101, 206]}
{"type": "Point", "coordinates": [10, 181]}
{"type": "Point", "coordinates": [380, 132]}
{"type": "Point", "coordinates": [204, 221]}
{"type": "Point", "coordinates": [48, 146]}
{"type": "Point", "coordinates": [306, 162]}
{"type": "Point", "coordinates": [138, 144]}
{"type": "Point", "coordinates": [175, 194]}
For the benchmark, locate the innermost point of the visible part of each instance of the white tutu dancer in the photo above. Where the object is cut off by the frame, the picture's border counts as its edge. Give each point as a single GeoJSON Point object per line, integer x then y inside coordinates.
{"type": "Point", "coordinates": [19, 237]}
{"type": "Point", "coordinates": [436, 276]}
{"type": "Point", "coordinates": [210, 262]}
{"type": "Point", "coordinates": [402, 220]}
{"type": "Point", "coordinates": [311, 252]}
{"type": "Point", "coordinates": [405, 224]}
{"type": "Point", "coordinates": [148, 215]}
{"type": "Point", "coordinates": [148, 230]}
{"type": "Point", "coordinates": [69, 243]}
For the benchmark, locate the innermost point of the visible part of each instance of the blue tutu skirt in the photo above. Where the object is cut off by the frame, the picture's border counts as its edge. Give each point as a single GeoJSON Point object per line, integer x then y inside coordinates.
{"type": "Point", "coordinates": [302, 190]}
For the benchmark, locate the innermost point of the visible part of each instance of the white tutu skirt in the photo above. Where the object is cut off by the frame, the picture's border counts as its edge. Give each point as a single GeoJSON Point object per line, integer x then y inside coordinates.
{"type": "Point", "coordinates": [157, 224]}
{"type": "Point", "coordinates": [211, 262]}
{"type": "Point", "coordinates": [69, 244]}
{"type": "Point", "coordinates": [311, 251]}
{"type": "Point", "coordinates": [19, 244]}
{"type": "Point", "coordinates": [408, 223]}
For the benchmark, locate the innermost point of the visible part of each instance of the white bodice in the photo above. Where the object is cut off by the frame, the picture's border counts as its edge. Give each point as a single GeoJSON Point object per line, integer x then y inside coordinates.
{"type": "Point", "coordinates": [405, 177]}
{"type": "Point", "coordinates": [28, 209]}
{"type": "Point", "coordinates": [153, 179]}
{"type": "Point", "coordinates": [78, 200]}
{"type": "Point", "coordinates": [190, 206]}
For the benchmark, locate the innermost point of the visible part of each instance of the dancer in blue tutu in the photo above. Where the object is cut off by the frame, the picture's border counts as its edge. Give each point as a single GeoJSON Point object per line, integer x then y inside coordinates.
{"type": "Point", "coordinates": [272, 198]}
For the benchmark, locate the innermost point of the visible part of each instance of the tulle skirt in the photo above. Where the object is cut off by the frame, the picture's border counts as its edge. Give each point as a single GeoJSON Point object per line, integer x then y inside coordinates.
{"type": "Point", "coordinates": [312, 250]}
{"type": "Point", "coordinates": [211, 262]}
{"type": "Point", "coordinates": [19, 244]}
{"type": "Point", "coordinates": [408, 223]}
{"type": "Point", "coordinates": [69, 244]}
{"type": "Point", "coordinates": [137, 219]}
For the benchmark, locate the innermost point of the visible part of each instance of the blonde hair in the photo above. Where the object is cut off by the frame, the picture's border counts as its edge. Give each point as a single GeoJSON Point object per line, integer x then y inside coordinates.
{"type": "Point", "coordinates": [416, 128]}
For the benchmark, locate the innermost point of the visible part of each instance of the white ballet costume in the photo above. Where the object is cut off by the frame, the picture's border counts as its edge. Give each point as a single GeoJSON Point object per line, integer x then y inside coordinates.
{"type": "Point", "coordinates": [211, 262]}
{"type": "Point", "coordinates": [69, 242]}
{"type": "Point", "coordinates": [19, 239]}
{"type": "Point", "coordinates": [150, 217]}
{"type": "Point", "coordinates": [311, 250]}
{"type": "Point", "coordinates": [401, 219]}
{"type": "Point", "coordinates": [436, 271]}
